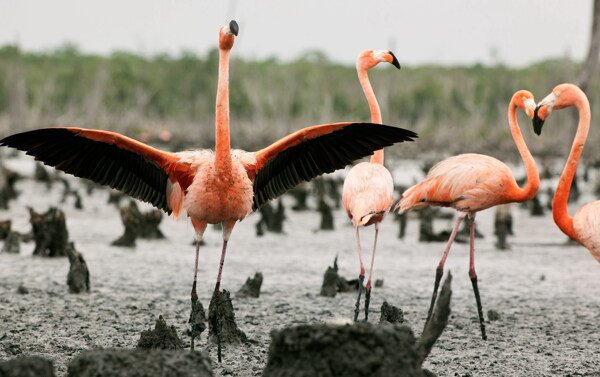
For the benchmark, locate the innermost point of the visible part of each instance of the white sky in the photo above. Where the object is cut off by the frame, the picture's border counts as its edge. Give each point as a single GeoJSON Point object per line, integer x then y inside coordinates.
{"type": "Point", "coordinates": [417, 31]}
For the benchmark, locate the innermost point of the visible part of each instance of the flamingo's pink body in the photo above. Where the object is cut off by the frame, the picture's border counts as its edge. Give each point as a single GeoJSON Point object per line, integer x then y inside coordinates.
{"type": "Point", "coordinates": [368, 191]}
{"type": "Point", "coordinates": [584, 227]}
{"type": "Point", "coordinates": [214, 196]}
{"type": "Point", "coordinates": [468, 183]}
{"type": "Point", "coordinates": [473, 182]}
{"type": "Point", "coordinates": [586, 224]}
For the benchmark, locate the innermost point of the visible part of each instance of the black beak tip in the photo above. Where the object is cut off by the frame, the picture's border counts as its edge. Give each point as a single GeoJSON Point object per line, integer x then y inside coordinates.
{"type": "Point", "coordinates": [395, 61]}
{"type": "Point", "coordinates": [538, 122]}
{"type": "Point", "coordinates": [233, 26]}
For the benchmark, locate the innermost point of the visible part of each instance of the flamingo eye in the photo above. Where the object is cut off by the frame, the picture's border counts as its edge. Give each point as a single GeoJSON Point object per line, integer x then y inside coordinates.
{"type": "Point", "coordinates": [422, 200]}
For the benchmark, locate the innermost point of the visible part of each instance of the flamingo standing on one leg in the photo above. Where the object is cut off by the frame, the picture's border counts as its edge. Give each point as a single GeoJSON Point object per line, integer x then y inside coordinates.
{"type": "Point", "coordinates": [584, 227]}
{"type": "Point", "coordinates": [471, 183]}
{"type": "Point", "coordinates": [368, 191]}
{"type": "Point", "coordinates": [220, 187]}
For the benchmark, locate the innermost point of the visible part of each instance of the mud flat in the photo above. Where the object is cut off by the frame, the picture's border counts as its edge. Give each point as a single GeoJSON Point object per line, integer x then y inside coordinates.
{"type": "Point", "coordinates": [544, 291]}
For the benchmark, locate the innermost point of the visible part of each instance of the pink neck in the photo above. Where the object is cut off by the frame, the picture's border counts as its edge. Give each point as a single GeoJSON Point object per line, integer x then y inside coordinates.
{"type": "Point", "coordinates": [363, 77]}
{"type": "Point", "coordinates": [533, 177]}
{"type": "Point", "coordinates": [560, 211]}
{"type": "Point", "coordinates": [223, 146]}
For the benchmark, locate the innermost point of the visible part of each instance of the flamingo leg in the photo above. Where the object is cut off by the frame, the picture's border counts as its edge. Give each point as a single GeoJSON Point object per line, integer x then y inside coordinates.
{"type": "Point", "coordinates": [194, 294]}
{"type": "Point", "coordinates": [368, 287]}
{"type": "Point", "coordinates": [227, 228]}
{"type": "Point", "coordinates": [221, 263]}
{"type": "Point", "coordinates": [473, 276]}
{"type": "Point", "coordinates": [361, 277]}
{"type": "Point", "coordinates": [439, 272]}
{"type": "Point", "coordinates": [200, 227]}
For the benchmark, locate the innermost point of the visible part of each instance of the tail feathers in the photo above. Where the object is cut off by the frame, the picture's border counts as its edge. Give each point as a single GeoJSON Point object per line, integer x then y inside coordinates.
{"type": "Point", "coordinates": [363, 220]}
{"type": "Point", "coordinates": [412, 198]}
{"type": "Point", "coordinates": [361, 212]}
{"type": "Point", "coordinates": [175, 198]}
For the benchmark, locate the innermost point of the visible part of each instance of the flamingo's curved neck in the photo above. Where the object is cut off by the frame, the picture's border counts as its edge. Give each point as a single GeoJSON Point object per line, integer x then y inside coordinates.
{"type": "Point", "coordinates": [533, 177]}
{"type": "Point", "coordinates": [560, 211]}
{"type": "Point", "coordinates": [222, 142]}
{"type": "Point", "coordinates": [363, 77]}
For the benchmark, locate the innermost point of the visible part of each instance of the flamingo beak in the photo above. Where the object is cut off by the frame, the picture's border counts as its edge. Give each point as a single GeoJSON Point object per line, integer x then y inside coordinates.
{"type": "Point", "coordinates": [538, 119]}
{"type": "Point", "coordinates": [542, 110]}
{"type": "Point", "coordinates": [391, 58]}
{"type": "Point", "coordinates": [234, 28]}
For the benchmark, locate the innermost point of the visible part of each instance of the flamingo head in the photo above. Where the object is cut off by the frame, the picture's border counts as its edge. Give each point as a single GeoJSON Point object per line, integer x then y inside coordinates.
{"type": "Point", "coordinates": [370, 58]}
{"type": "Point", "coordinates": [562, 96]}
{"type": "Point", "coordinates": [227, 35]}
{"type": "Point", "coordinates": [524, 100]}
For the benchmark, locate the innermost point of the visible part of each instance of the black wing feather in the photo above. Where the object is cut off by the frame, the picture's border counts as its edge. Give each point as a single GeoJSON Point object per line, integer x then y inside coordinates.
{"type": "Point", "coordinates": [103, 163]}
{"type": "Point", "coordinates": [323, 154]}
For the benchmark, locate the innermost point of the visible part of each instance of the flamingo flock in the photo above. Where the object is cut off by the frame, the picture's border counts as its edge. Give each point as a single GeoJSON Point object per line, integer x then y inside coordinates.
{"type": "Point", "coordinates": [225, 185]}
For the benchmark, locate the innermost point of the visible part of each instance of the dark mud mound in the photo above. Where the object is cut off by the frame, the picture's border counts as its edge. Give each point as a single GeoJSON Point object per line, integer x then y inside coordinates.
{"type": "Point", "coordinates": [330, 281]}
{"type": "Point", "coordinates": [334, 283]}
{"type": "Point", "coordinates": [503, 226]}
{"type": "Point", "coordinates": [391, 314]}
{"type": "Point", "coordinates": [29, 366]}
{"type": "Point", "coordinates": [138, 225]}
{"type": "Point", "coordinates": [252, 286]}
{"type": "Point", "coordinates": [197, 321]}
{"type": "Point", "coordinates": [327, 222]}
{"type": "Point", "coordinates": [162, 337]}
{"type": "Point", "coordinates": [49, 232]}
{"type": "Point", "coordinates": [221, 319]}
{"type": "Point", "coordinates": [139, 363]}
{"type": "Point", "coordinates": [12, 243]}
{"type": "Point", "coordinates": [357, 350]}
{"type": "Point", "coordinates": [8, 192]}
{"type": "Point", "coordinates": [271, 219]}
{"type": "Point", "coordinates": [5, 228]}
{"type": "Point", "coordinates": [78, 278]}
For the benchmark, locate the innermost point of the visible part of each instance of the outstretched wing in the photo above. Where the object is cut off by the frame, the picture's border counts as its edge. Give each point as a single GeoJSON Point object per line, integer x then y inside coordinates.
{"type": "Point", "coordinates": [104, 157]}
{"type": "Point", "coordinates": [315, 150]}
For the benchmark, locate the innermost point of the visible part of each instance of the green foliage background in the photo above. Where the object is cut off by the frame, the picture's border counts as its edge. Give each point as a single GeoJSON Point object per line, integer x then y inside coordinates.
{"type": "Point", "coordinates": [454, 109]}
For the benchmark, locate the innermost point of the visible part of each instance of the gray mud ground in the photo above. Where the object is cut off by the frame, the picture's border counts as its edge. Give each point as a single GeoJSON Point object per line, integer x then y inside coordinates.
{"type": "Point", "coordinates": [545, 291]}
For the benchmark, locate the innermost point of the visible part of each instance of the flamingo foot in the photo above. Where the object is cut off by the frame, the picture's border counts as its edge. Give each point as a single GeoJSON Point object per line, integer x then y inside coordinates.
{"type": "Point", "coordinates": [367, 302]}
{"type": "Point", "coordinates": [361, 279]}
{"type": "Point", "coordinates": [479, 309]}
{"type": "Point", "coordinates": [439, 272]}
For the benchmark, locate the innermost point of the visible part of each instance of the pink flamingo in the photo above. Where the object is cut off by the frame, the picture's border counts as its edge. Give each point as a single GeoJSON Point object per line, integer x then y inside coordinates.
{"type": "Point", "coordinates": [220, 187]}
{"type": "Point", "coordinates": [584, 226]}
{"type": "Point", "coordinates": [368, 191]}
{"type": "Point", "coordinates": [471, 183]}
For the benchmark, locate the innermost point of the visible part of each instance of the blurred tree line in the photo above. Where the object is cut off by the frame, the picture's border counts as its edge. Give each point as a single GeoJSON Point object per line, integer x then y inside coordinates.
{"type": "Point", "coordinates": [454, 109]}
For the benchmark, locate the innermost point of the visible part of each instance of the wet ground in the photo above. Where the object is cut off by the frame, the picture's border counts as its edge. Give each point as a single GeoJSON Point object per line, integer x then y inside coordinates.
{"type": "Point", "coordinates": [545, 291]}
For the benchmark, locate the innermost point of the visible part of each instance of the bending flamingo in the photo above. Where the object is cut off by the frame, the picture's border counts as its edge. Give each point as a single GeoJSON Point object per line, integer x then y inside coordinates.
{"type": "Point", "coordinates": [584, 227]}
{"type": "Point", "coordinates": [368, 191]}
{"type": "Point", "coordinates": [220, 187]}
{"type": "Point", "coordinates": [471, 183]}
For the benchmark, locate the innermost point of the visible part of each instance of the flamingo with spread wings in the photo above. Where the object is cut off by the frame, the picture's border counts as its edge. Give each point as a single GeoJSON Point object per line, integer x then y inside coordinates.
{"type": "Point", "coordinates": [368, 192]}
{"type": "Point", "coordinates": [223, 186]}
{"type": "Point", "coordinates": [584, 227]}
{"type": "Point", "coordinates": [471, 183]}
